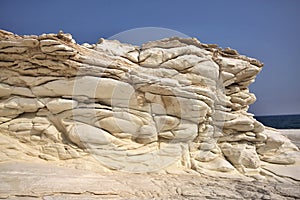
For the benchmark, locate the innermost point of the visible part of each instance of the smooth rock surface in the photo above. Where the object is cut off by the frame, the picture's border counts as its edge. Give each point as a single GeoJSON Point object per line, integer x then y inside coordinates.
{"type": "Point", "coordinates": [44, 181]}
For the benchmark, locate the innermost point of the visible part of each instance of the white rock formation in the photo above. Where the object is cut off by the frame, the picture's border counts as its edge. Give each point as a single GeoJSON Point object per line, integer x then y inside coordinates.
{"type": "Point", "coordinates": [173, 103]}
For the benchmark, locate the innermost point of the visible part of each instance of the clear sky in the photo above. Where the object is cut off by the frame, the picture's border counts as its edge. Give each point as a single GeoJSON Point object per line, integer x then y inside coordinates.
{"type": "Point", "coordinates": [268, 30]}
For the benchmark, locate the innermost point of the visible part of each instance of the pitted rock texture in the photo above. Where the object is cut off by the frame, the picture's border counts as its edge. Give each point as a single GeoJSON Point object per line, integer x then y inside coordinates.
{"type": "Point", "coordinates": [169, 104]}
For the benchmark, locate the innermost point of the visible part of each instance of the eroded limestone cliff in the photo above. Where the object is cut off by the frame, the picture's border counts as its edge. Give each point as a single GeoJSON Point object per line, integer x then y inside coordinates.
{"type": "Point", "coordinates": [173, 103]}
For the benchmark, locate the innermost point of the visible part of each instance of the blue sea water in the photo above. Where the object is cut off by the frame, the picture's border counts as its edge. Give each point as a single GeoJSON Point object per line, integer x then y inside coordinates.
{"type": "Point", "coordinates": [280, 121]}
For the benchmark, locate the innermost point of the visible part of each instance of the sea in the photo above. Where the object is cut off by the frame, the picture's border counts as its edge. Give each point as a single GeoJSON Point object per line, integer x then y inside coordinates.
{"type": "Point", "coordinates": [280, 121]}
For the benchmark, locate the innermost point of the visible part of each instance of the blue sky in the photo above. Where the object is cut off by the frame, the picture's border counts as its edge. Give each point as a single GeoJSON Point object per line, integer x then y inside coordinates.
{"type": "Point", "coordinates": [265, 29]}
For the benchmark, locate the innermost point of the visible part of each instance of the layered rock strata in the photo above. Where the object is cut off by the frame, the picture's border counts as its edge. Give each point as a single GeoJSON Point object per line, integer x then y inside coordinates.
{"type": "Point", "coordinates": [169, 103]}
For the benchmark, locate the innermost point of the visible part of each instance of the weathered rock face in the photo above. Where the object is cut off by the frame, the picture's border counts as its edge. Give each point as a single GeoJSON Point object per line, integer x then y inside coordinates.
{"type": "Point", "coordinates": [170, 103]}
